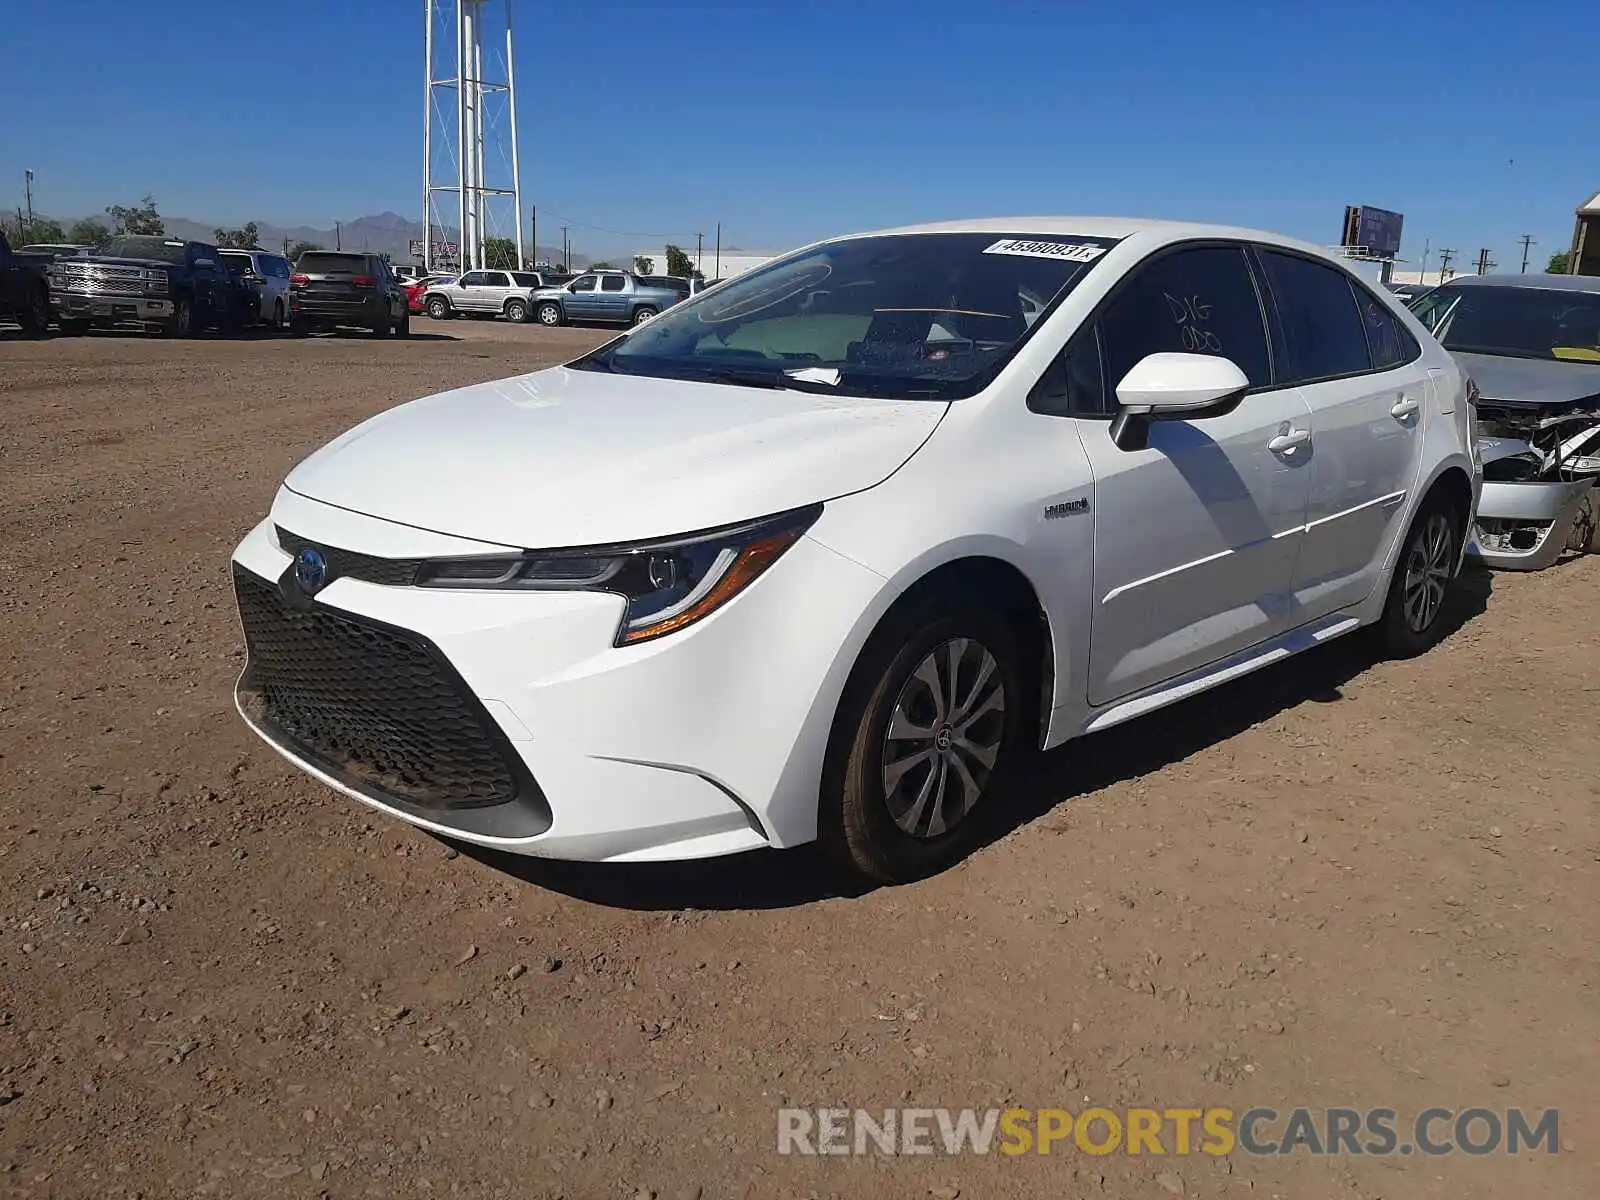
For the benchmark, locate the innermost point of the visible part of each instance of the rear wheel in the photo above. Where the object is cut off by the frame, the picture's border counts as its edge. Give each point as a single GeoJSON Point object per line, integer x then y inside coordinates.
{"type": "Point", "coordinates": [928, 733]}
{"type": "Point", "coordinates": [404, 328]}
{"type": "Point", "coordinates": [1412, 620]}
{"type": "Point", "coordinates": [438, 308]}
{"type": "Point", "coordinates": [642, 314]}
{"type": "Point", "coordinates": [548, 313]}
{"type": "Point", "coordinates": [181, 323]}
{"type": "Point", "coordinates": [384, 325]}
{"type": "Point", "coordinates": [517, 311]}
{"type": "Point", "coordinates": [35, 315]}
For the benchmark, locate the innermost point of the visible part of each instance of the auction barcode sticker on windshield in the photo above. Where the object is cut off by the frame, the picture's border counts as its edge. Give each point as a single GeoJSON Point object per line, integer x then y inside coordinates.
{"type": "Point", "coordinates": [1069, 251]}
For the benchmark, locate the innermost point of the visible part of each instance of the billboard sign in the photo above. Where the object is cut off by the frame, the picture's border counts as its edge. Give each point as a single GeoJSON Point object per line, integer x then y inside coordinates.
{"type": "Point", "coordinates": [1376, 230]}
{"type": "Point", "coordinates": [440, 249]}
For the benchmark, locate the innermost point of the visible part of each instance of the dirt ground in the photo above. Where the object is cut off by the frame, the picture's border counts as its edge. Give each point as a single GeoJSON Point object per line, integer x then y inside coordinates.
{"type": "Point", "coordinates": [1335, 883]}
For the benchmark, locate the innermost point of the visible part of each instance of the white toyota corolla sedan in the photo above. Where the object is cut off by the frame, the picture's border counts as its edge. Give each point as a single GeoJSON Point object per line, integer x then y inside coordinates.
{"type": "Point", "coordinates": [825, 551]}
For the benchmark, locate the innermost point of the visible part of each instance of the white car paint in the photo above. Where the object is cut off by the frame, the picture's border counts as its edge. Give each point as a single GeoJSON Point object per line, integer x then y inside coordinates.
{"type": "Point", "coordinates": [1226, 543]}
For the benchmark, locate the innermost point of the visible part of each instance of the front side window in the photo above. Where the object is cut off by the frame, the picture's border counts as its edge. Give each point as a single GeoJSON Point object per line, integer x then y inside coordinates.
{"type": "Point", "coordinates": [927, 315]}
{"type": "Point", "coordinates": [1514, 322]}
{"type": "Point", "coordinates": [612, 283]}
{"type": "Point", "coordinates": [475, 279]}
{"type": "Point", "coordinates": [584, 283]}
{"type": "Point", "coordinates": [1196, 301]}
{"type": "Point", "coordinates": [1323, 332]}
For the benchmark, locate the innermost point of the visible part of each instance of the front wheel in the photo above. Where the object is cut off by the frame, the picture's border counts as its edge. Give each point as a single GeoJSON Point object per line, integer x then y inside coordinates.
{"type": "Point", "coordinates": [35, 315]}
{"type": "Point", "coordinates": [928, 731]}
{"type": "Point", "coordinates": [516, 311]}
{"type": "Point", "coordinates": [181, 323]}
{"type": "Point", "coordinates": [642, 314]}
{"type": "Point", "coordinates": [439, 308]}
{"type": "Point", "coordinates": [1412, 620]}
{"type": "Point", "coordinates": [548, 314]}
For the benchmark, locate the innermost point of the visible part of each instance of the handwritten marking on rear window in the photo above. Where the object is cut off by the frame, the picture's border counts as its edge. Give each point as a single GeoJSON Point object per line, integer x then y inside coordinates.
{"type": "Point", "coordinates": [1066, 251]}
{"type": "Point", "coordinates": [1188, 314]}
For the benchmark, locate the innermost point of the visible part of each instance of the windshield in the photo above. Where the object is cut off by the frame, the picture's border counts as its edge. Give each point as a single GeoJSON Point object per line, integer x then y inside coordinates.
{"type": "Point", "coordinates": [158, 249]}
{"type": "Point", "coordinates": [928, 315]}
{"type": "Point", "coordinates": [1514, 322]}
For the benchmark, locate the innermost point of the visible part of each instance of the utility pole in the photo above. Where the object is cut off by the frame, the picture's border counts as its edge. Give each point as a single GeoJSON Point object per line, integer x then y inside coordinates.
{"type": "Point", "coordinates": [338, 236]}
{"type": "Point", "coordinates": [1483, 262]}
{"type": "Point", "coordinates": [566, 251]}
{"type": "Point", "coordinates": [1445, 255]}
{"type": "Point", "coordinates": [1527, 242]}
{"type": "Point", "coordinates": [27, 186]}
{"type": "Point", "coordinates": [699, 245]}
{"type": "Point", "coordinates": [1422, 274]}
{"type": "Point", "coordinates": [718, 275]}
{"type": "Point", "coordinates": [533, 231]}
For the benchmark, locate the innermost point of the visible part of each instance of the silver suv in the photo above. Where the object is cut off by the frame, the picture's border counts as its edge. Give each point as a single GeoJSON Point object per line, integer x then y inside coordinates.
{"type": "Point", "coordinates": [264, 278]}
{"type": "Point", "coordinates": [484, 293]}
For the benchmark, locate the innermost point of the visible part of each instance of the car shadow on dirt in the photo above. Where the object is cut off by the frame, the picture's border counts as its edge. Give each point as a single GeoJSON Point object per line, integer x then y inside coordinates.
{"type": "Point", "coordinates": [768, 879]}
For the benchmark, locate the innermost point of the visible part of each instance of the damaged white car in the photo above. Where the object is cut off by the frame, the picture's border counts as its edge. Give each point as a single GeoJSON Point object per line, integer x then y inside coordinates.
{"type": "Point", "coordinates": [1531, 343]}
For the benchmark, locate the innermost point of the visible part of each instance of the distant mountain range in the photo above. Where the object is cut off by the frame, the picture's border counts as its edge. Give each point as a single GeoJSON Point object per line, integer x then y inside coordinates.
{"type": "Point", "coordinates": [387, 233]}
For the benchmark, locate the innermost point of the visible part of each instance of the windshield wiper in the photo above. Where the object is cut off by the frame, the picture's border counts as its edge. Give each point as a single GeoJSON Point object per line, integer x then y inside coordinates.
{"type": "Point", "coordinates": [776, 380]}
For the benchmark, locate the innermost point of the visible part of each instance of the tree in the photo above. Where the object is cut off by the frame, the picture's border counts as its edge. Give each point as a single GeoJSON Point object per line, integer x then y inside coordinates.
{"type": "Point", "coordinates": [88, 232]}
{"type": "Point", "coordinates": [680, 265]}
{"type": "Point", "coordinates": [1560, 264]}
{"type": "Point", "coordinates": [500, 254]}
{"type": "Point", "coordinates": [22, 232]}
{"type": "Point", "coordinates": [144, 219]}
{"type": "Point", "coordinates": [643, 265]}
{"type": "Point", "coordinates": [299, 248]}
{"type": "Point", "coordinates": [238, 239]}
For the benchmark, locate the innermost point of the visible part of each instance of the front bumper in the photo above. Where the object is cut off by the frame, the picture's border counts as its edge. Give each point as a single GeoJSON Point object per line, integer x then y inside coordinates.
{"type": "Point", "coordinates": [111, 307]}
{"type": "Point", "coordinates": [705, 742]}
{"type": "Point", "coordinates": [1524, 526]}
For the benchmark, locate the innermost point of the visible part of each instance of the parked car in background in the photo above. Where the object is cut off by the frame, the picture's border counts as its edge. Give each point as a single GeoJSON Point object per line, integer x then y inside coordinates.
{"type": "Point", "coordinates": [1410, 291]}
{"type": "Point", "coordinates": [154, 282]}
{"type": "Point", "coordinates": [416, 290]}
{"type": "Point", "coordinates": [890, 534]}
{"type": "Point", "coordinates": [407, 274]}
{"type": "Point", "coordinates": [615, 297]}
{"type": "Point", "coordinates": [264, 279]}
{"type": "Point", "coordinates": [1532, 346]}
{"type": "Point", "coordinates": [506, 294]}
{"type": "Point", "coordinates": [24, 289]}
{"type": "Point", "coordinates": [332, 289]}
{"type": "Point", "coordinates": [56, 250]}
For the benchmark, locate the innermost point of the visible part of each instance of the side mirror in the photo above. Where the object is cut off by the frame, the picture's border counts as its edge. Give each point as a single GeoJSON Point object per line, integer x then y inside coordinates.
{"type": "Point", "coordinates": [1174, 387]}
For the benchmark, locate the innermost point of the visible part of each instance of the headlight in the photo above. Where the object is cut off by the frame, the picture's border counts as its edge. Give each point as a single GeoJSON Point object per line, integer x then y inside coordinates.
{"type": "Point", "coordinates": [668, 584]}
{"type": "Point", "coordinates": [155, 282]}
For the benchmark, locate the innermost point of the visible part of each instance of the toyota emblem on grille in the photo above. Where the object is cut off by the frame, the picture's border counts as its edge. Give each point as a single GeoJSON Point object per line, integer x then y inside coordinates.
{"type": "Point", "coordinates": [310, 570]}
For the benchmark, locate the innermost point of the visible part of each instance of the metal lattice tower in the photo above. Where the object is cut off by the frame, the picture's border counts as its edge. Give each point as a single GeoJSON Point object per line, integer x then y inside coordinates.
{"type": "Point", "coordinates": [460, 136]}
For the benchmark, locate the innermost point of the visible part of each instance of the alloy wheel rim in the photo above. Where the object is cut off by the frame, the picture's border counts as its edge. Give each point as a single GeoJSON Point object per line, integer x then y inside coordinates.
{"type": "Point", "coordinates": [1427, 574]}
{"type": "Point", "coordinates": [944, 737]}
{"type": "Point", "coordinates": [548, 315]}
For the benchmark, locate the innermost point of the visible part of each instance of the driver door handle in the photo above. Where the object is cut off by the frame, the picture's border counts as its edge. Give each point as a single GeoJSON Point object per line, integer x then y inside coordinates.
{"type": "Point", "coordinates": [1285, 443]}
{"type": "Point", "coordinates": [1404, 407]}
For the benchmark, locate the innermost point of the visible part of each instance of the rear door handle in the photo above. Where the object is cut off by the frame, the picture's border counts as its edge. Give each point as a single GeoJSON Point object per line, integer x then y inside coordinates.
{"type": "Point", "coordinates": [1285, 443]}
{"type": "Point", "coordinates": [1405, 407]}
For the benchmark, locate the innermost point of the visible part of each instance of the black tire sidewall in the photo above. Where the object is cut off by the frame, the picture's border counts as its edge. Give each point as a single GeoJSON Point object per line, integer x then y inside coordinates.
{"type": "Point", "coordinates": [1396, 638]}
{"type": "Point", "coordinates": [854, 822]}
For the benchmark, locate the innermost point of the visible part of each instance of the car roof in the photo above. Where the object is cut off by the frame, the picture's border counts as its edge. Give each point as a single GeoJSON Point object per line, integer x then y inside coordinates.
{"type": "Point", "coordinates": [1541, 282]}
{"type": "Point", "coordinates": [1154, 230]}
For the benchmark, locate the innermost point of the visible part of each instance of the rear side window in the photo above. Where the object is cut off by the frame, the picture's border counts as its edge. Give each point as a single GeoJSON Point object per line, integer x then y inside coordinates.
{"type": "Point", "coordinates": [314, 262]}
{"type": "Point", "coordinates": [497, 279]}
{"type": "Point", "coordinates": [1198, 301]}
{"type": "Point", "coordinates": [523, 279]}
{"type": "Point", "coordinates": [1322, 329]}
{"type": "Point", "coordinates": [612, 283]}
{"type": "Point", "coordinates": [1388, 340]}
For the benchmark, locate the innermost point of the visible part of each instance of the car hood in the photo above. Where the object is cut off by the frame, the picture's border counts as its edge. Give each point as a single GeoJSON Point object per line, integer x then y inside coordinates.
{"type": "Point", "coordinates": [573, 458]}
{"type": "Point", "coordinates": [1531, 380]}
{"type": "Point", "coordinates": [156, 263]}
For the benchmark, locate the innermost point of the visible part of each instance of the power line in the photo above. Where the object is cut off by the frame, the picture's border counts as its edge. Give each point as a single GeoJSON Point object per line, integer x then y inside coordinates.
{"type": "Point", "coordinates": [623, 232]}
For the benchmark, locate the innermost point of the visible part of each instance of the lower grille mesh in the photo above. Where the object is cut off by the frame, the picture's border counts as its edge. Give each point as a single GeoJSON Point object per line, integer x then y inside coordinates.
{"type": "Point", "coordinates": [374, 706]}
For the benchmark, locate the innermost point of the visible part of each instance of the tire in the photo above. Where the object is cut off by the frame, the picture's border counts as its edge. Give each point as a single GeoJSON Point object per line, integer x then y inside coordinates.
{"type": "Point", "coordinates": [1412, 615]}
{"type": "Point", "coordinates": [299, 328]}
{"type": "Point", "coordinates": [888, 825]}
{"type": "Point", "coordinates": [439, 308]}
{"type": "Point", "coordinates": [549, 314]}
{"type": "Point", "coordinates": [35, 315]}
{"type": "Point", "coordinates": [516, 311]}
{"type": "Point", "coordinates": [74, 326]}
{"type": "Point", "coordinates": [643, 313]}
{"type": "Point", "coordinates": [181, 323]}
{"type": "Point", "coordinates": [383, 326]}
{"type": "Point", "coordinates": [404, 328]}
{"type": "Point", "coordinates": [277, 316]}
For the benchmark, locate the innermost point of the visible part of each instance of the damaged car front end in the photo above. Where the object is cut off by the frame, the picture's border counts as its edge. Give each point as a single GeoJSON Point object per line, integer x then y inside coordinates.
{"type": "Point", "coordinates": [1531, 344]}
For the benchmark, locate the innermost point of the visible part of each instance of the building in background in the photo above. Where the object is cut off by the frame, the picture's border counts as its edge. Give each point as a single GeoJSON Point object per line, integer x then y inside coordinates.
{"type": "Point", "coordinates": [1585, 254]}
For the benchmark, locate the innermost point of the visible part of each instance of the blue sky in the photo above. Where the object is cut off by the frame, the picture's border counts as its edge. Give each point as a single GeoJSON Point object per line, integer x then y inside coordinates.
{"type": "Point", "coordinates": [789, 121]}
